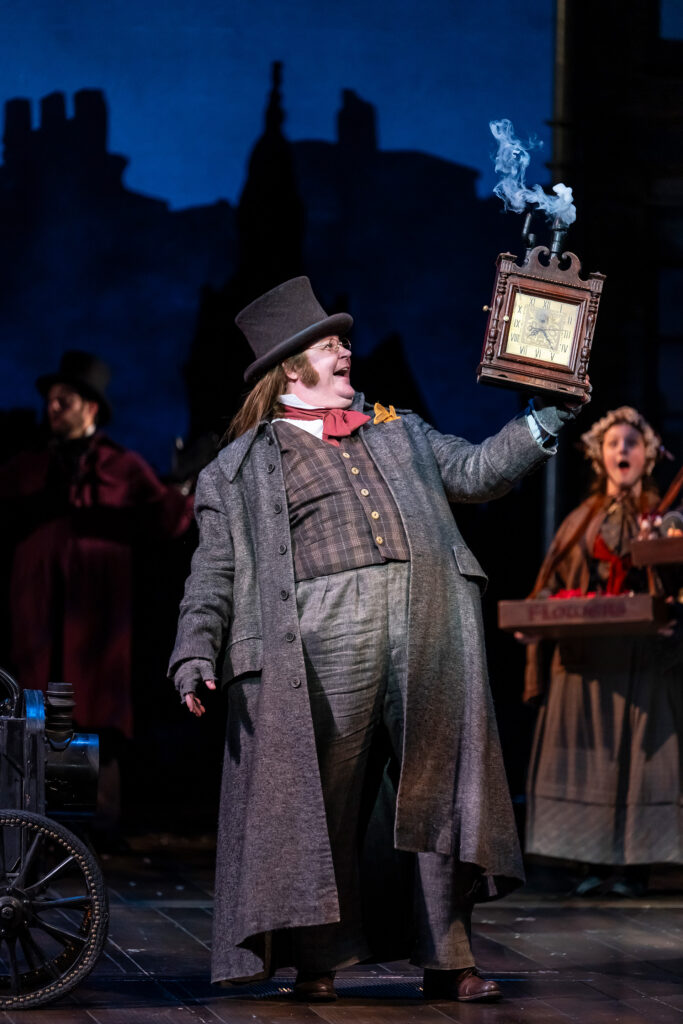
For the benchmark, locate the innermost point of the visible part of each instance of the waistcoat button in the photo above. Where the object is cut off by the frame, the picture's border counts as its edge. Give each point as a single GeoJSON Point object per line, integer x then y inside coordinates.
{"type": "Point", "coordinates": [284, 594]}
{"type": "Point", "coordinates": [277, 507]}
{"type": "Point", "coordinates": [282, 549]}
{"type": "Point", "coordinates": [271, 467]}
{"type": "Point", "coordinates": [296, 683]}
{"type": "Point", "coordinates": [290, 637]}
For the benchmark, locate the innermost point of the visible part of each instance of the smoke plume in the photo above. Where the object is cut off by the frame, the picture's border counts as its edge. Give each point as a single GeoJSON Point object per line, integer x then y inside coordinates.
{"type": "Point", "coordinates": [512, 160]}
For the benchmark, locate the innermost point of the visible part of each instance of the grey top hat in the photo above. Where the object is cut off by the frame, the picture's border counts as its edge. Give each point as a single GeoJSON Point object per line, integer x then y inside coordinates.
{"type": "Point", "coordinates": [283, 321]}
{"type": "Point", "coordinates": [86, 374]}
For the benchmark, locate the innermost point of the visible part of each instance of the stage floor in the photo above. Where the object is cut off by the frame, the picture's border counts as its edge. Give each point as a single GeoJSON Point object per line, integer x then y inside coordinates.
{"type": "Point", "coordinates": [557, 959]}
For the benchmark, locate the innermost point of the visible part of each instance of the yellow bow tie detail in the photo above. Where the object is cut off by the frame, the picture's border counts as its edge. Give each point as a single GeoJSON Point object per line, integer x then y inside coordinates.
{"type": "Point", "coordinates": [383, 415]}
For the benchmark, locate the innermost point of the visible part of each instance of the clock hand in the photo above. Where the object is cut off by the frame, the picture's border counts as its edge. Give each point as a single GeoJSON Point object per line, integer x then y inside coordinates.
{"type": "Point", "coordinates": [535, 331]}
{"type": "Point", "coordinates": [552, 335]}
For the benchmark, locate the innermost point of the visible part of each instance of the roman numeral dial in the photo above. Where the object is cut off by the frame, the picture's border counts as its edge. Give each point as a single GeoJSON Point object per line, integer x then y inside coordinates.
{"type": "Point", "coordinates": [542, 328]}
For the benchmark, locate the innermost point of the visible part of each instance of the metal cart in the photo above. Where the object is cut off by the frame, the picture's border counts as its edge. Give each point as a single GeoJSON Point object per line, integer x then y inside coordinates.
{"type": "Point", "coordinates": [53, 902]}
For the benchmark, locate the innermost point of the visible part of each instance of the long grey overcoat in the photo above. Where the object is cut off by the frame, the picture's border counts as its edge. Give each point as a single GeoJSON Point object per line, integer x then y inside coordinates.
{"type": "Point", "coordinates": [239, 612]}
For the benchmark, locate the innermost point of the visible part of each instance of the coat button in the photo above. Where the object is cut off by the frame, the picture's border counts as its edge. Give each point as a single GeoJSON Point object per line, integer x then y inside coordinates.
{"type": "Point", "coordinates": [271, 467]}
{"type": "Point", "coordinates": [282, 549]}
{"type": "Point", "coordinates": [284, 594]}
{"type": "Point", "coordinates": [277, 507]}
{"type": "Point", "coordinates": [290, 637]}
{"type": "Point", "coordinates": [295, 683]}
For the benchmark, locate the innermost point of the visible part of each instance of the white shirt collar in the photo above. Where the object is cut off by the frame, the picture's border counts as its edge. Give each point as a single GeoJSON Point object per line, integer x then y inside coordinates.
{"type": "Point", "coordinates": [314, 427]}
{"type": "Point", "coordinates": [294, 400]}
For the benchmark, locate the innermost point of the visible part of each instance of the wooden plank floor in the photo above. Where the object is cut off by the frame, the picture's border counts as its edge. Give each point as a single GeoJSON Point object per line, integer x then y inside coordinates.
{"type": "Point", "coordinates": [557, 959]}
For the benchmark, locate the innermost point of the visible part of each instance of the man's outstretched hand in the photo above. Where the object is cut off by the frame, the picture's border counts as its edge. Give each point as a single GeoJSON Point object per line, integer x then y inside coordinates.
{"type": "Point", "coordinates": [193, 702]}
{"type": "Point", "coordinates": [552, 413]}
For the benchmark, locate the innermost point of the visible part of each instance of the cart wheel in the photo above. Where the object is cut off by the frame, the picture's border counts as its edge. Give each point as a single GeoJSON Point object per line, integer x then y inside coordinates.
{"type": "Point", "coordinates": [53, 910]}
{"type": "Point", "coordinates": [10, 692]}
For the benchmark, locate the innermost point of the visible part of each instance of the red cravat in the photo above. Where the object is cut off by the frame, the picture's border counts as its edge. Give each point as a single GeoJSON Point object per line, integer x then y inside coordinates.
{"type": "Point", "coordinates": [618, 567]}
{"type": "Point", "coordinates": [336, 422]}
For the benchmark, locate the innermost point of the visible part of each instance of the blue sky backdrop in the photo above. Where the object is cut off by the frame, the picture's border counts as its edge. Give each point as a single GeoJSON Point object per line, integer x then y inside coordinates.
{"type": "Point", "coordinates": [186, 80]}
{"type": "Point", "coordinates": [186, 84]}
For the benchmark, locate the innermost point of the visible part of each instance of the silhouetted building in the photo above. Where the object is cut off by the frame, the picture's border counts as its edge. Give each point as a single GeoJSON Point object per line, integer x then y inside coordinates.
{"type": "Point", "coordinates": [401, 236]}
{"type": "Point", "coordinates": [405, 237]}
{"type": "Point", "coordinates": [87, 263]}
{"type": "Point", "coordinates": [270, 223]}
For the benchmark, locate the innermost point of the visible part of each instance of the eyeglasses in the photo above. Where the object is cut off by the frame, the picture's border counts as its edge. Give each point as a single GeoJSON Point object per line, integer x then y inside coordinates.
{"type": "Point", "coordinates": [333, 345]}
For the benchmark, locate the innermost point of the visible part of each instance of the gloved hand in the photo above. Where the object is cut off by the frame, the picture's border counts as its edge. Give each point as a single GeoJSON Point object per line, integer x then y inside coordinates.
{"type": "Point", "coordinates": [552, 418]}
{"type": "Point", "coordinates": [190, 675]}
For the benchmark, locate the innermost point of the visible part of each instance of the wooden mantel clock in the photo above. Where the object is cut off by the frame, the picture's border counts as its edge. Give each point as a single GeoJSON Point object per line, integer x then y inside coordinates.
{"type": "Point", "coordinates": [541, 323]}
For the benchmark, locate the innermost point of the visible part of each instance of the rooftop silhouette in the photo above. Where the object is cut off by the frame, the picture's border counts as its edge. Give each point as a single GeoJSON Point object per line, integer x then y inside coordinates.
{"type": "Point", "coordinates": [87, 262]}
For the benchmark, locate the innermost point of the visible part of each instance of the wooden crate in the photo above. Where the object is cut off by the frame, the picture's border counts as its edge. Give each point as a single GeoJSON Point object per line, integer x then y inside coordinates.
{"type": "Point", "coordinates": [584, 616]}
{"type": "Point", "coordinates": [657, 551]}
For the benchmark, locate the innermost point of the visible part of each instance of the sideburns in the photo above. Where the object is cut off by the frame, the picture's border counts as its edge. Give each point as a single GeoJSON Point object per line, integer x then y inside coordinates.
{"type": "Point", "coordinates": [301, 364]}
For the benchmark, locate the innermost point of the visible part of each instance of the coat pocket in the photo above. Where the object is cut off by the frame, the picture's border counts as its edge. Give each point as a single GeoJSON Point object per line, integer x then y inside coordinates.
{"type": "Point", "coordinates": [244, 655]}
{"type": "Point", "coordinates": [469, 566]}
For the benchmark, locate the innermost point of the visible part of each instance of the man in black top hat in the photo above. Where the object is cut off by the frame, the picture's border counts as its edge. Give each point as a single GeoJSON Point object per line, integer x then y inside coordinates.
{"type": "Point", "coordinates": [335, 595]}
{"type": "Point", "coordinates": [75, 396]}
{"type": "Point", "coordinates": [76, 507]}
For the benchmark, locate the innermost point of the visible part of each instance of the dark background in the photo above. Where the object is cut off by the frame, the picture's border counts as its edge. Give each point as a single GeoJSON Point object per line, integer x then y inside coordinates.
{"type": "Point", "coordinates": [164, 164]}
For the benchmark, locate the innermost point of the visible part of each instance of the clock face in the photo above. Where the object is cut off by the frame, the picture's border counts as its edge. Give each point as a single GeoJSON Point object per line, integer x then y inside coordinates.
{"type": "Point", "coordinates": [542, 328]}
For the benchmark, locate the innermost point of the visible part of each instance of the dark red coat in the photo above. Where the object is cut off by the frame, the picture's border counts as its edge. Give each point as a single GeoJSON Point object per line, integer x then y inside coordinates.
{"type": "Point", "coordinates": [70, 594]}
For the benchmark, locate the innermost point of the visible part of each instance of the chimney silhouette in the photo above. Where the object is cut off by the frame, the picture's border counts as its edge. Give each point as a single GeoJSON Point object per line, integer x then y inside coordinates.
{"type": "Point", "coordinates": [356, 124]}
{"type": "Point", "coordinates": [17, 133]}
{"type": "Point", "coordinates": [52, 112]}
{"type": "Point", "coordinates": [90, 121]}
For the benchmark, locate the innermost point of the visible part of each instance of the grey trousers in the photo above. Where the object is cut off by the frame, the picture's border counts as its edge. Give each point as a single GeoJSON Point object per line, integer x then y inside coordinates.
{"type": "Point", "coordinates": [354, 630]}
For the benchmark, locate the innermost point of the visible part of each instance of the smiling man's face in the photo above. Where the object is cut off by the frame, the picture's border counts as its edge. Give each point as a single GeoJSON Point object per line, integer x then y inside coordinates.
{"type": "Point", "coordinates": [329, 386]}
{"type": "Point", "coordinates": [623, 455]}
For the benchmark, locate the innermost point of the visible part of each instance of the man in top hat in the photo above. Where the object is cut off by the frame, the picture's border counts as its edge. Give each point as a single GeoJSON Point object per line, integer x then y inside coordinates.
{"type": "Point", "coordinates": [75, 509]}
{"type": "Point", "coordinates": [333, 592]}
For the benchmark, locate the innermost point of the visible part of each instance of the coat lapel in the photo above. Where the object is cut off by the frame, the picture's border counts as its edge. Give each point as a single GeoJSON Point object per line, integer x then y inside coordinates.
{"type": "Point", "coordinates": [231, 458]}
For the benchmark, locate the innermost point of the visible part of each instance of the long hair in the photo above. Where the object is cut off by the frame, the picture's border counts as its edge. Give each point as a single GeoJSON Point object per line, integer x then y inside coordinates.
{"type": "Point", "coordinates": [261, 402]}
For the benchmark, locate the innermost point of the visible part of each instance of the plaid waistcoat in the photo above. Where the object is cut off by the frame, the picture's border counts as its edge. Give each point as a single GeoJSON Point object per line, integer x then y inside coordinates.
{"type": "Point", "coordinates": [341, 512]}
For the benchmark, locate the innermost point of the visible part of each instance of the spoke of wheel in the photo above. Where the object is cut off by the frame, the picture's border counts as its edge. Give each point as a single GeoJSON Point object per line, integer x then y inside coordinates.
{"type": "Point", "coordinates": [12, 872]}
{"type": "Point", "coordinates": [28, 861]}
{"type": "Point", "coordinates": [70, 902]}
{"type": "Point", "coordinates": [62, 935]}
{"type": "Point", "coordinates": [43, 882]}
{"type": "Point", "coordinates": [35, 957]}
{"type": "Point", "coordinates": [8, 872]}
{"type": "Point", "coordinates": [13, 969]}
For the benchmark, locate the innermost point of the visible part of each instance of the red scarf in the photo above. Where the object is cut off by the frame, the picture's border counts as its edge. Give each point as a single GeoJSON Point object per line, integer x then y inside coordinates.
{"type": "Point", "coordinates": [618, 567]}
{"type": "Point", "coordinates": [336, 422]}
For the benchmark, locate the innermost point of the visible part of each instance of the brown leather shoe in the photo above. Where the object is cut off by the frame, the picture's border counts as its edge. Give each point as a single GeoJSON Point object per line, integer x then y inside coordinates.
{"type": "Point", "coordinates": [315, 987]}
{"type": "Point", "coordinates": [467, 986]}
